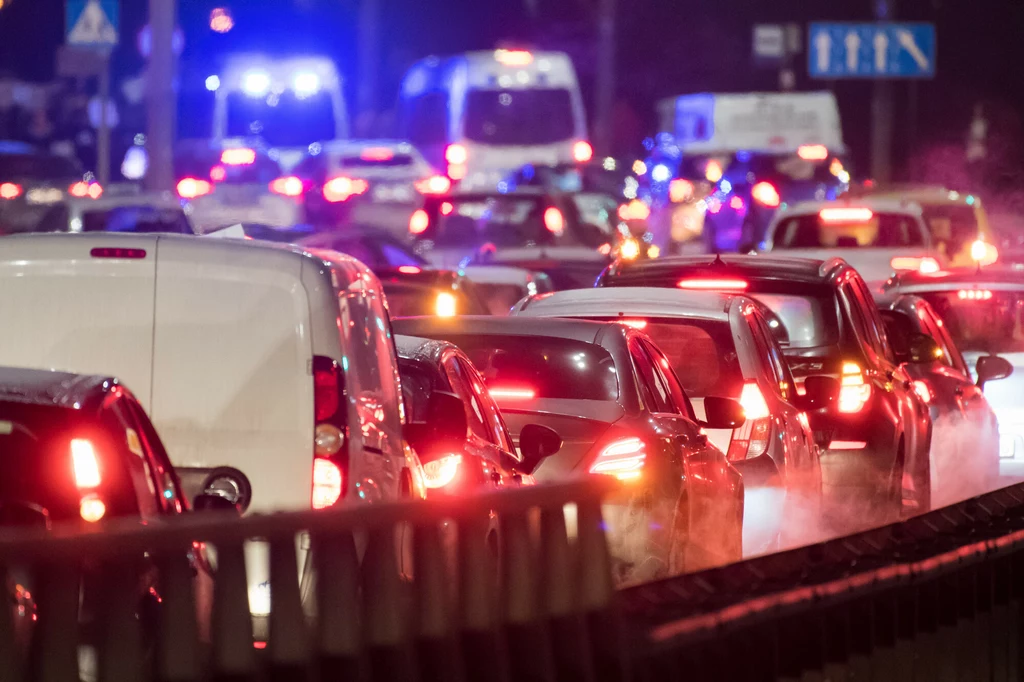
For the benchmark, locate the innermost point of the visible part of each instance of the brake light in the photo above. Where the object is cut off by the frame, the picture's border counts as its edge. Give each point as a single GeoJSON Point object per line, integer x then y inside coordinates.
{"type": "Point", "coordinates": [634, 210]}
{"type": "Point", "coordinates": [922, 391]}
{"type": "Point", "coordinates": [974, 295]}
{"type": "Point", "coordinates": [750, 439]}
{"type": "Point", "coordinates": [623, 459]}
{"type": "Point", "coordinates": [846, 215]}
{"type": "Point", "coordinates": [341, 188]}
{"type": "Point", "coordinates": [91, 508]}
{"type": "Point", "coordinates": [630, 249]}
{"type": "Point", "coordinates": [83, 189]}
{"type": "Point", "coordinates": [327, 481]}
{"type": "Point", "coordinates": [325, 391]}
{"type": "Point", "coordinates": [441, 472]}
{"type": "Point", "coordinates": [582, 151]}
{"type": "Point", "coordinates": [218, 173]}
{"type": "Point", "coordinates": [765, 194]}
{"type": "Point", "coordinates": [419, 221]}
{"type": "Point", "coordinates": [190, 188]}
{"type": "Point", "coordinates": [376, 154]}
{"type": "Point", "coordinates": [752, 401]}
{"type": "Point", "coordinates": [713, 284]}
{"type": "Point", "coordinates": [288, 186]}
{"type": "Point", "coordinates": [115, 252]}
{"type": "Point", "coordinates": [238, 157]}
{"type": "Point", "coordinates": [925, 265]}
{"type": "Point", "coordinates": [447, 208]}
{"type": "Point", "coordinates": [812, 152]}
{"type": "Point", "coordinates": [854, 392]}
{"type": "Point", "coordinates": [445, 305]}
{"type": "Point", "coordinates": [713, 171]}
{"type": "Point", "coordinates": [635, 324]}
{"type": "Point", "coordinates": [680, 190]}
{"type": "Point", "coordinates": [9, 190]}
{"type": "Point", "coordinates": [511, 393]}
{"type": "Point", "coordinates": [553, 220]}
{"type": "Point", "coordinates": [847, 445]}
{"type": "Point", "coordinates": [513, 57]}
{"type": "Point", "coordinates": [435, 184]}
{"type": "Point", "coordinates": [409, 269]}
{"type": "Point", "coordinates": [736, 203]}
{"type": "Point", "coordinates": [456, 154]}
{"type": "Point", "coordinates": [85, 464]}
{"type": "Point", "coordinates": [983, 253]}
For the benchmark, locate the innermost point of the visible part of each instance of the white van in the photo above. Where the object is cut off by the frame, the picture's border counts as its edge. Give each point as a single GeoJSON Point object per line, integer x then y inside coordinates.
{"type": "Point", "coordinates": [482, 115]}
{"type": "Point", "coordinates": [271, 359]}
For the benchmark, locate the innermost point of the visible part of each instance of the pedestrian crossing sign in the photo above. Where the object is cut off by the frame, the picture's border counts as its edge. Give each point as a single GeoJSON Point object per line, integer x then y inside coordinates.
{"type": "Point", "coordinates": [92, 23]}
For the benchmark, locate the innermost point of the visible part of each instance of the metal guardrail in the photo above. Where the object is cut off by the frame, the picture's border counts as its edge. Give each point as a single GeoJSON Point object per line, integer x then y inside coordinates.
{"type": "Point", "coordinates": [537, 609]}
{"type": "Point", "coordinates": [936, 597]}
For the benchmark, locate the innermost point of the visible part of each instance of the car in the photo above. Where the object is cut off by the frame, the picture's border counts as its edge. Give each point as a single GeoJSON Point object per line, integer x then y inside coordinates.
{"type": "Point", "coordinates": [140, 212]}
{"type": "Point", "coordinates": [956, 220]}
{"type": "Point", "coordinates": [413, 291]}
{"type": "Point", "coordinates": [32, 182]}
{"type": "Point", "coordinates": [232, 181]}
{"type": "Point", "coordinates": [878, 433]}
{"type": "Point", "coordinates": [965, 433]}
{"type": "Point", "coordinates": [375, 248]}
{"type": "Point", "coordinates": [79, 451]}
{"type": "Point", "coordinates": [876, 236]}
{"type": "Point", "coordinates": [603, 390]}
{"type": "Point", "coordinates": [455, 426]}
{"type": "Point", "coordinates": [534, 230]}
{"type": "Point", "coordinates": [982, 311]}
{"type": "Point", "coordinates": [720, 344]}
{"type": "Point", "coordinates": [368, 182]}
{"type": "Point", "coordinates": [501, 286]}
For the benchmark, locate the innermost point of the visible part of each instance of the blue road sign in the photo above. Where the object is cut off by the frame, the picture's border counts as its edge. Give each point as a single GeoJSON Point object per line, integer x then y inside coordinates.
{"type": "Point", "coordinates": [92, 23]}
{"type": "Point", "coordinates": [880, 50]}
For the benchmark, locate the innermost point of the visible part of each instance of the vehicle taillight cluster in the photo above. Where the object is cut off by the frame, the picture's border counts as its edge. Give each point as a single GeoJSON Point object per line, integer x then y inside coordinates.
{"type": "Point", "coordinates": [330, 434]}
{"type": "Point", "coordinates": [623, 459]}
{"type": "Point", "coordinates": [440, 472]}
{"type": "Point", "coordinates": [83, 189]}
{"type": "Point", "coordinates": [924, 264]}
{"type": "Point", "coordinates": [86, 469]}
{"type": "Point", "coordinates": [190, 188]}
{"type": "Point", "coordinates": [435, 184]}
{"type": "Point", "coordinates": [456, 156]}
{"type": "Point", "coordinates": [10, 190]}
{"type": "Point", "coordinates": [751, 438]}
{"type": "Point", "coordinates": [341, 189]}
{"type": "Point", "coordinates": [854, 392]}
{"type": "Point", "coordinates": [288, 186]}
{"type": "Point", "coordinates": [765, 194]}
{"type": "Point", "coordinates": [582, 151]}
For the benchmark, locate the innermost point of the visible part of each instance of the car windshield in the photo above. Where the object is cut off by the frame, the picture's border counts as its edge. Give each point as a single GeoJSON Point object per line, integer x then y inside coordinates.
{"type": "Point", "coordinates": [982, 320]}
{"type": "Point", "coordinates": [881, 230]}
{"type": "Point", "coordinates": [809, 318]}
{"type": "Point", "coordinates": [284, 120]}
{"type": "Point", "coordinates": [512, 221]}
{"type": "Point", "coordinates": [37, 167]}
{"type": "Point", "coordinates": [137, 219]}
{"type": "Point", "coordinates": [519, 117]}
{"type": "Point", "coordinates": [953, 226]}
{"type": "Point", "coordinates": [542, 367]}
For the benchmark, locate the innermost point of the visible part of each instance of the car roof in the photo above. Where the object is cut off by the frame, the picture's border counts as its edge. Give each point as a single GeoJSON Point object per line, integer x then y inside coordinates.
{"type": "Point", "coordinates": [876, 204]}
{"type": "Point", "coordinates": [578, 330]}
{"type": "Point", "coordinates": [53, 389]}
{"type": "Point", "coordinates": [654, 272]}
{"type": "Point", "coordinates": [161, 200]}
{"type": "Point", "coordinates": [957, 277]}
{"type": "Point", "coordinates": [921, 194]}
{"type": "Point", "coordinates": [647, 301]}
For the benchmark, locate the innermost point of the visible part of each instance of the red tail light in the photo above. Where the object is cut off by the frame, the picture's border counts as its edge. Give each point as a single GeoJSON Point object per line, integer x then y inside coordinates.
{"type": "Point", "coordinates": [81, 190]}
{"type": "Point", "coordinates": [327, 483]}
{"type": "Point", "coordinates": [812, 152]}
{"type": "Point", "coordinates": [435, 184]}
{"type": "Point", "coordinates": [713, 284]}
{"type": "Point", "coordinates": [380, 154]}
{"type": "Point", "coordinates": [623, 459]}
{"type": "Point", "coordinates": [330, 435]}
{"type": "Point", "coordinates": [553, 220]}
{"type": "Point", "coordinates": [238, 157]}
{"type": "Point", "coordinates": [288, 186]}
{"type": "Point", "coordinates": [765, 194]}
{"type": "Point", "coordinates": [91, 508]}
{"type": "Point", "coordinates": [974, 295]}
{"type": "Point", "coordinates": [456, 154]}
{"type": "Point", "coordinates": [751, 438]}
{"type": "Point", "coordinates": [846, 215]}
{"type": "Point", "coordinates": [10, 190]}
{"type": "Point", "coordinates": [441, 472]}
{"type": "Point", "coordinates": [341, 189]}
{"type": "Point", "coordinates": [582, 151]}
{"type": "Point", "coordinates": [85, 464]}
{"type": "Point", "coordinates": [447, 208]}
{"type": "Point", "coordinates": [736, 203]}
{"type": "Point", "coordinates": [419, 221]}
{"type": "Point", "coordinates": [511, 393]}
{"type": "Point", "coordinates": [117, 252]}
{"type": "Point", "coordinates": [190, 188]}
{"type": "Point", "coordinates": [635, 324]}
{"type": "Point", "coordinates": [218, 173]}
{"type": "Point", "coordinates": [325, 391]}
{"type": "Point", "coordinates": [410, 269]}
{"type": "Point", "coordinates": [634, 210]}
{"type": "Point", "coordinates": [926, 265]}
{"type": "Point", "coordinates": [680, 190]}
{"type": "Point", "coordinates": [854, 391]}
{"type": "Point", "coordinates": [752, 401]}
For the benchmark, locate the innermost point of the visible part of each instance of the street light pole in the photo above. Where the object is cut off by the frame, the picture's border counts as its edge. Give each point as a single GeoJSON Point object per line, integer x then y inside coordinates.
{"type": "Point", "coordinates": [368, 58]}
{"type": "Point", "coordinates": [161, 100]}
{"type": "Point", "coordinates": [882, 111]}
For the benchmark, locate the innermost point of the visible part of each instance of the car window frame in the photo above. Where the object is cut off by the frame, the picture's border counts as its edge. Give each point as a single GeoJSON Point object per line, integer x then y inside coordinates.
{"type": "Point", "coordinates": [652, 379]}
{"type": "Point", "coordinates": [462, 386]}
{"type": "Point", "coordinates": [677, 391]}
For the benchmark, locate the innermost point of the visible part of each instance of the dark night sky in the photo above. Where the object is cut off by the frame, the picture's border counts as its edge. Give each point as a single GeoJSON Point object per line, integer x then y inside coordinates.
{"type": "Point", "coordinates": [665, 46]}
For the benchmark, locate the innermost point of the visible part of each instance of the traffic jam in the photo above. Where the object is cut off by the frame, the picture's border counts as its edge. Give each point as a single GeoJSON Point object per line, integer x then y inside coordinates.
{"type": "Point", "coordinates": [764, 349]}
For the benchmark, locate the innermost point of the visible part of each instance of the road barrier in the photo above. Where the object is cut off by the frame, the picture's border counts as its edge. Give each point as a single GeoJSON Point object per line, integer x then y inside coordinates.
{"type": "Point", "coordinates": [536, 606]}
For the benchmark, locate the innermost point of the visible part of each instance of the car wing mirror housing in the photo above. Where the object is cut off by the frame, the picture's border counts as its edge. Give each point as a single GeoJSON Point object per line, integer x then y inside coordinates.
{"type": "Point", "coordinates": [992, 368]}
{"type": "Point", "coordinates": [722, 413]}
{"type": "Point", "coordinates": [535, 443]}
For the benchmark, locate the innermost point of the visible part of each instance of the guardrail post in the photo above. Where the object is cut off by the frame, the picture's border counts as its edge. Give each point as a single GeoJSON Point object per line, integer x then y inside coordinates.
{"type": "Point", "coordinates": [120, 640]}
{"type": "Point", "coordinates": [337, 605]}
{"type": "Point", "coordinates": [883, 639]}
{"type": "Point", "coordinates": [926, 662]}
{"type": "Point", "coordinates": [233, 656]}
{"type": "Point", "coordinates": [570, 645]}
{"type": "Point", "coordinates": [54, 650]}
{"type": "Point", "coordinates": [1001, 632]}
{"type": "Point", "coordinates": [483, 655]}
{"type": "Point", "coordinates": [596, 591]}
{"type": "Point", "coordinates": [861, 636]}
{"type": "Point", "coordinates": [983, 577]}
{"type": "Point", "coordinates": [526, 636]}
{"type": "Point", "coordinates": [289, 636]}
{"type": "Point", "coordinates": [437, 651]}
{"type": "Point", "coordinates": [177, 641]}
{"type": "Point", "coordinates": [945, 652]}
{"type": "Point", "coordinates": [10, 660]}
{"type": "Point", "coordinates": [906, 633]}
{"type": "Point", "coordinates": [384, 616]}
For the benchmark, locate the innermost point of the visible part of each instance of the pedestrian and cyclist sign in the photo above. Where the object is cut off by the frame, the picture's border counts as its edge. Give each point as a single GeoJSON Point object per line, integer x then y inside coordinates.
{"type": "Point", "coordinates": [92, 23]}
{"type": "Point", "coordinates": [877, 50]}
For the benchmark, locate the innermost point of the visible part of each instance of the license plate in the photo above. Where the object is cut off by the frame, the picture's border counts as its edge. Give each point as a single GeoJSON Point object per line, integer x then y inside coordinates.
{"type": "Point", "coordinates": [44, 196]}
{"type": "Point", "coordinates": [238, 196]}
{"type": "Point", "coordinates": [392, 193]}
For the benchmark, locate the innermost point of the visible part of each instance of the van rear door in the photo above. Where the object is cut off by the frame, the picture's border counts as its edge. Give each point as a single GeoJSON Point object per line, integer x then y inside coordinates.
{"type": "Point", "coordinates": [80, 303]}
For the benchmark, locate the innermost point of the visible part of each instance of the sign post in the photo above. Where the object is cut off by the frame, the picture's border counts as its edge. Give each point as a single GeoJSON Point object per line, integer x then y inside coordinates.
{"type": "Point", "coordinates": [94, 24]}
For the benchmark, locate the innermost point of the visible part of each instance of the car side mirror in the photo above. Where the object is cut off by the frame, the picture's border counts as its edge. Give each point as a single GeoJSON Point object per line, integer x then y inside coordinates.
{"type": "Point", "coordinates": [923, 350]}
{"type": "Point", "coordinates": [224, 489]}
{"type": "Point", "coordinates": [992, 368]}
{"type": "Point", "coordinates": [722, 413]}
{"type": "Point", "coordinates": [820, 392]}
{"type": "Point", "coordinates": [535, 443]}
{"type": "Point", "coordinates": [444, 428]}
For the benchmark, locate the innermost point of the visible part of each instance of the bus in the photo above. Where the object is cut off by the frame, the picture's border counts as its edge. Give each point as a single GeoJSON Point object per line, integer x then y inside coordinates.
{"type": "Point", "coordinates": [482, 115]}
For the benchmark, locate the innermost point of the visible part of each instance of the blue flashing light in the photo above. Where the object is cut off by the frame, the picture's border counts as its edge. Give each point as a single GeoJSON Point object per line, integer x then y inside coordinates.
{"type": "Point", "coordinates": [213, 83]}
{"type": "Point", "coordinates": [648, 143]}
{"type": "Point", "coordinates": [743, 156]}
{"type": "Point", "coordinates": [256, 83]}
{"type": "Point", "coordinates": [725, 186]}
{"type": "Point", "coordinates": [306, 83]}
{"type": "Point", "coordinates": [661, 173]}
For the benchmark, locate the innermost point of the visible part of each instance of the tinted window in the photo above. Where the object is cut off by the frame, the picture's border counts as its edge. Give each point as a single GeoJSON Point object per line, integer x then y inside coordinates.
{"type": "Point", "coordinates": [37, 167]}
{"type": "Point", "coordinates": [475, 417]}
{"type": "Point", "coordinates": [994, 325]}
{"type": "Point", "coordinates": [395, 256]}
{"type": "Point", "coordinates": [953, 226]}
{"type": "Point", "coordinates": [550, 367]}
{"type": "Point", "coordinates": [292, 122]}
{"type": "Point", "coordinates": [425, 118]}
{"type": "Point", "coordinates": [809, 319]}
{"type": "Point", "coordinates": [519, 117]}
{"type": "Point", "coordinates": [417, 386]}
{"type": "Point", "coordinates": [361, 252]}
{"type": "Point", "coordinates": [137, 219]}
{"type": "Point", "coordinates": [510, 221]}
{"type": "Point", "coordinates": [657, 396]}
{"type": "Point", "coordinates": [414, 300]}
{"type": "Point", "coordinates": [883, 230]}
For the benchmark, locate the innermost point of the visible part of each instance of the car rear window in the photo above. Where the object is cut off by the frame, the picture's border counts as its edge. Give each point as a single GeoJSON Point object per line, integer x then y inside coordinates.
{"type": "Point", "coordinates": [882, 230]}
{"type": "Point", "coordinates": [139, 219]}
{"type": "Point", "coordinates": [542, 367]}
{"type": "Point", "coordinates": [982, 320]}
{"type": "Point", "coordinates": [952, 225]}
{"type": "Point", "coordinates": [406, 300]}
{"type": "Point", "coordinates": [510, 222]}
{"type": "Point", "coordinates": [376, 161]}
{"type": "Point", "coordinates": [37, 167]}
